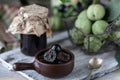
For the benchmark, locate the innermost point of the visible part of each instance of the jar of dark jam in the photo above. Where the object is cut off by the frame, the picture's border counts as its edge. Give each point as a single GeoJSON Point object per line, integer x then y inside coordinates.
{"type": "Point", "coordinates": [30, 43]}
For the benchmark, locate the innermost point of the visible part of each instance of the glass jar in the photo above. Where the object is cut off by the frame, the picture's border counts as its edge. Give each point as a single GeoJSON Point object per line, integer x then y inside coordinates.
{"type": "Point", "coordinates": [30, 43]}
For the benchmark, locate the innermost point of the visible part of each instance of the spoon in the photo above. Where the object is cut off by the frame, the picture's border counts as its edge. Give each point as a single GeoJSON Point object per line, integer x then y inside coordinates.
{"type": "Point", "coordinates": [94, 64]}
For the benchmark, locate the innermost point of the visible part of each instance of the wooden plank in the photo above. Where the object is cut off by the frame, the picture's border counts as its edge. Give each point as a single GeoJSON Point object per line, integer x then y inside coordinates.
{"type": "Point", "coordinates": [111, 76]}
{"type": "Point", "coordinates": [10, 71]}
{"type": "Point", "coordinates": [6, 74]}
{"type": "Point", "coordinates": [57, 37]}
{"type": "Point", "coordinates": [12, 76]}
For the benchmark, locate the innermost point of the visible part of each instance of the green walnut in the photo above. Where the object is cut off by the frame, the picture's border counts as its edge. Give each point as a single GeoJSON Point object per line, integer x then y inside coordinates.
{"type": "Point", "coordinates": [115, 36]}
{"type": "Point", "coordinates": [56, 23]}
{"type": "Point", "coordinates": [95, 12]}
{"type": "Point", "coordinates": [99, 27]}
{"type": "Point", "coordinates": [76, 36]}
{"type": "Point", "coordinates": [84, 24]}
{"type": "Point", "coordinates": [117, 23]}
{"type": "Point", "coordinates": [83, 15]}
{"type": "Point", "coordinates": [93, 45]}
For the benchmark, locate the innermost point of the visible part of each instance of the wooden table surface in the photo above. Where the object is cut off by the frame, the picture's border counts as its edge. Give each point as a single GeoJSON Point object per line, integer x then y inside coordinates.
{"type": "Point", "coordinates": [6, 74]}
{"type": "Point", "coordinates": [81, 66]}
{"type": "Point", "coordinates": [111, 76]}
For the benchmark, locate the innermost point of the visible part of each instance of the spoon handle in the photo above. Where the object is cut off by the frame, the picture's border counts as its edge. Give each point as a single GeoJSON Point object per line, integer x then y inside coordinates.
{"type": "Point", "coordinates": [89, 75]}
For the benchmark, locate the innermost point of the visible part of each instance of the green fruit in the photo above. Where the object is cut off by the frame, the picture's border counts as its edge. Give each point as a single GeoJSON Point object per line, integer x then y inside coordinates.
{"type": "Point", "coordinates": [94, 44]}
{"type": "Point", "coordinates": [56, 23]}
{"type": "Point", "coordinates": [77, 36]}
{"type": "Point", "coordinates": [84, 25]}
{"type": "Point", "coordinates": [83, 15]}
{"type": "Point", "coordinates": [95, 12]}
{"type": "Point", "coordinates": [99, 27]}
{"type": "Point", "coordinates": [117, 23]}
{"type": "Point", "coordinates": [55, 10]}
{"type": "Point", "coordinates": [115, 36]}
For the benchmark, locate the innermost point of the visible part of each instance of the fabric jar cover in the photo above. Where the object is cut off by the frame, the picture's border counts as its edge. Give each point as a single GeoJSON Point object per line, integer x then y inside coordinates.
{"type": "Point", "coordinates": [32, 19]}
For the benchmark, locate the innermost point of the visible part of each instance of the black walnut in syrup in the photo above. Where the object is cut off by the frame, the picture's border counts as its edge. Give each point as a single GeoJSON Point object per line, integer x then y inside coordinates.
{"type": "Point", "coordinates": [56, 55]}
{"type": "Point", "coordinates": [50, 56]}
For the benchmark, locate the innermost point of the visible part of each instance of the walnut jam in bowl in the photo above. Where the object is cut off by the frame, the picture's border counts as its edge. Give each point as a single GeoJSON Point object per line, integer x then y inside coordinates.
{"type": "Point", "coordinates": [54, 62]}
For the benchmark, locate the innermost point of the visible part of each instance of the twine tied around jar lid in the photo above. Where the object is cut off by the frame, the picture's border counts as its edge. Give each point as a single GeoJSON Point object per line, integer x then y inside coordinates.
{"type": "Point", "coordinates": [32, 19]}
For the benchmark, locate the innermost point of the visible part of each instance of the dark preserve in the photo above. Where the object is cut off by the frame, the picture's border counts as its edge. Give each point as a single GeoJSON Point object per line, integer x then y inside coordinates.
{"type": "Point", "coordinates": [30, 44]}
{"type": "Point", "coordinates": [55, 55]}
{"type": "Point", "coordinates": [57, 61]}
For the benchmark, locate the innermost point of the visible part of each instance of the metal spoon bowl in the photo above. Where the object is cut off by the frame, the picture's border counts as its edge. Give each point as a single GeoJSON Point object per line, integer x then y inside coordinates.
{"type": "Point", "coordinates": [94, 64]}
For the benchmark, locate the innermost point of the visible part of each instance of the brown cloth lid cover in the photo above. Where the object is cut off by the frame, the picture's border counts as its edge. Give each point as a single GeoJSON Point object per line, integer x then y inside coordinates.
{"type": "Point", "coordinates": [32, 19]}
